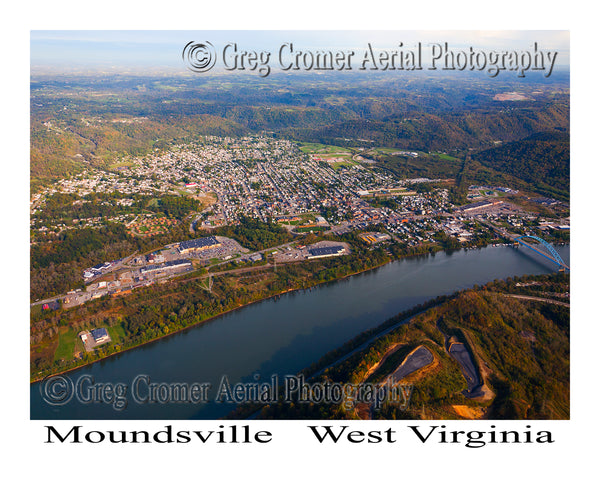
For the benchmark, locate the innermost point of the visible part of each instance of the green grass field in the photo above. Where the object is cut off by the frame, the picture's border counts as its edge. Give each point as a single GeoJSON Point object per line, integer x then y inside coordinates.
{"type": "Point", "coordinates": [66, 344]}
{"type": "Point", "coordinates": [309, 229]}
{"type": "Point", "coordinates": [309, 216]}
{"type": "Point", "coordinates": [117, 333]}
{"type": "Point", "coordinates": [338, 165]}
{"type": "Point", "coordinates": [323, 149]}
{"type": "Point", "coordinates": [443, 156]}
{"type": "Point", "coordinates": [122, 163]}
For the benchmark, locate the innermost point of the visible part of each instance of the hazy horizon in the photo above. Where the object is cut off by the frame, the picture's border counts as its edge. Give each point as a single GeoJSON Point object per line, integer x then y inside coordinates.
{"type": "Point", "coordinates": [124, 50]}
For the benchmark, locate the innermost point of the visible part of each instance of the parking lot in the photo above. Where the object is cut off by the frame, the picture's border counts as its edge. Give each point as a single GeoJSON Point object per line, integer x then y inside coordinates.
{"type": "Point", "coordinates": [301, 253]}
{"type": "Point", "coordinates": [228, 248]}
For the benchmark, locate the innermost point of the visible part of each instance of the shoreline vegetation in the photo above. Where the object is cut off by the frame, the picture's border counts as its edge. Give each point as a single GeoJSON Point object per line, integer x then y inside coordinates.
{"type": "Point", "coordinates": [419, 308]}
{"type": "Point", "coordinates": [102, 353]}
{"type": "Point", "coordinates": [37, 378]}
{"type": "Point", "coordinates": [274, 295]}
{"type": "Point", "coordinates": [311, 274]}
{"type": "Point", "coordinates": [82, 363]}
{"type": "Point", "coordinates": [514, 346]}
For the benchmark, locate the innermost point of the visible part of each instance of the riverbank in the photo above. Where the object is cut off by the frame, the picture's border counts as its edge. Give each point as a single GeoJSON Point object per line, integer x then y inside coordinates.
{"type": "Point", "coordinates": [270, 295]}
{"type": "Point", "coordinates": [285, 336]}
{"type": "Point", "coordinates": [475, 337]}
{"type": "Point", "coordinates": [40, 377]}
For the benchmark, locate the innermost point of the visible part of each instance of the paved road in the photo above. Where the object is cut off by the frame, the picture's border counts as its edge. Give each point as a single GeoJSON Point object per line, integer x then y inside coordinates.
{"type": "Point", "coordinates": [538, 299]}
{"type": "Point", "coordinates": [47, 300]}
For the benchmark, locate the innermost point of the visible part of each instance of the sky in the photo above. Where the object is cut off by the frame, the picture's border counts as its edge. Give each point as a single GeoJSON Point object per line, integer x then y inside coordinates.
{"type": "Point", "coordinates": [162, 48]}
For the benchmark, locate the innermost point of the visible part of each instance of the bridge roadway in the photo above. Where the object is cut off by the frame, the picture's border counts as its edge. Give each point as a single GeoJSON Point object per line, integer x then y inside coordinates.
{"type": "Point", "coordinates": [536, 248]}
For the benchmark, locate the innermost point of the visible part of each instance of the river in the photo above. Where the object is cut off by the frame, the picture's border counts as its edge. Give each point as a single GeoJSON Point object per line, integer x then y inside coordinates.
{"type": "Point", "coordinates": [277, 336]}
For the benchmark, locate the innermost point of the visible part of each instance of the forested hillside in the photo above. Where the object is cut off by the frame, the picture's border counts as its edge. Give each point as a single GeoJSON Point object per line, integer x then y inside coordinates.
{"type": "Point", "coordinates": [520, 350]}
{"type": "Point", "coordinates": [98, 120]}
{"type": "Point", "coordinates": [541, 159]}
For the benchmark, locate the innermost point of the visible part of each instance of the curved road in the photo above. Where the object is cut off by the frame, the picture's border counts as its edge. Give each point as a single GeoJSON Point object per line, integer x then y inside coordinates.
{"type": "Point", "coordinates": [538, 299]}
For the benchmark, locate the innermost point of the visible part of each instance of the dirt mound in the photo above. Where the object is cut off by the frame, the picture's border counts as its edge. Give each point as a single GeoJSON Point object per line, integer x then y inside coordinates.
{"type": "Point", "coordinates": [471, 413]}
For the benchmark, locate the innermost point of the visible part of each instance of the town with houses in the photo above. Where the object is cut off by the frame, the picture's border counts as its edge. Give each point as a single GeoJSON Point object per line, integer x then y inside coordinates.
{"type": "Point", "coordinates": [274, 181]}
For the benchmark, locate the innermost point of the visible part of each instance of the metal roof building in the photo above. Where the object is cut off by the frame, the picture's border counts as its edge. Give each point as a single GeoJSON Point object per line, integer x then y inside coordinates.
{"type": "Point", "coordinates": [166, 266]}
{"type": "Point", "coordinates": [198, 244]}
{"type": "Point", "coordinates": [99, 334]}
{"type": "Point", "coordinates": [326, 251]}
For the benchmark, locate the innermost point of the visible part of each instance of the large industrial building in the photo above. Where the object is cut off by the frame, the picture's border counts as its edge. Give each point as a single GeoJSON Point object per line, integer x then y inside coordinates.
{"type": "Point", "coordinates": [163, 267]}
{"type": "Point", "coordinates": [96, 270]}
{"type": "Point", "coordinates": [323, 252]}
{"type": "Point", "coordinates": [198, 244]}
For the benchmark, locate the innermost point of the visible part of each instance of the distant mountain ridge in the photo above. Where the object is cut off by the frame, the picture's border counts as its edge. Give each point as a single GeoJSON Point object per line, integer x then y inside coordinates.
{"type": "Point", "coordinates": [449, 131]}
{"type": "Point", "coordinates": [96, 121]}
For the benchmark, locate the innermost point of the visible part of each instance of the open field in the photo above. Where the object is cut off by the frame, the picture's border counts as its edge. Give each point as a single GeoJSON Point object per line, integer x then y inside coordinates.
{"type": "Point", "coordinates": [339, 164]}
{"type": "Point", "coordinates": [66, 343]}
{"type": "Point", "coordinates": [117, 334]}
{"type": "Point", "coordinates": [444, 156]}
{"type": "Point", "coordinates": [318, 148]}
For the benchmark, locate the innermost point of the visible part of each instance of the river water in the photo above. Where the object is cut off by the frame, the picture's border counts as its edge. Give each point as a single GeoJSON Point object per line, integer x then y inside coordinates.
{"type": "Point", "coordinates": [275, 337]}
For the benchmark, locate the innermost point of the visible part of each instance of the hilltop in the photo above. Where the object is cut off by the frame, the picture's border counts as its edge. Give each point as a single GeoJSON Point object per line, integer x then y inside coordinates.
{"type": "Point", "coordinates": [519, 349]}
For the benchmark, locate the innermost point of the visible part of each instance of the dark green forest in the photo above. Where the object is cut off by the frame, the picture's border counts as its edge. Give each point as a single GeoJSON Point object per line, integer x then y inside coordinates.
{"type": "Point", "coordinates": [542, 160]}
